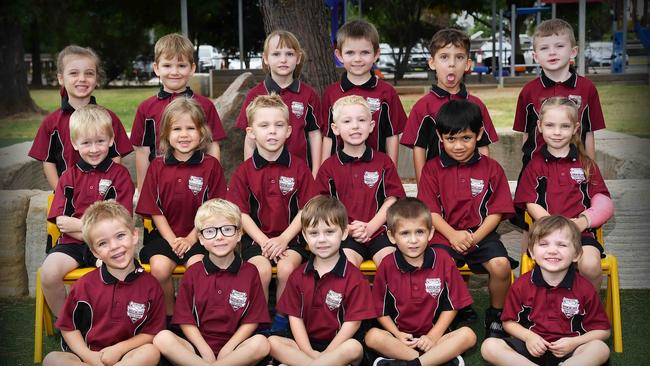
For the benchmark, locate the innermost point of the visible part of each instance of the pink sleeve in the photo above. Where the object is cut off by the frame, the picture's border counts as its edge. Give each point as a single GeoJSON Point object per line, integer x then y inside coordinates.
{"type": "Point", "coordinates": [601, 210]}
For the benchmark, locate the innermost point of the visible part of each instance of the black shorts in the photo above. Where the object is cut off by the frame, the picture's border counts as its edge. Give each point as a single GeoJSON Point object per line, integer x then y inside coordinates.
{"type": "Point", "coordinates": [490, 247]}
{"type": "Point", "coordinates": [369, 249]}
{"type": "Point", "coordinates": [155, 244]}
{"type": "Point", "coordinates": [79, 252]}
{"type": "Point", "coordinates": [250, 249]}
{"type": "Point", "coordinates": [547, 359]}
{"type": "Point", "coordinates": [592, 242]}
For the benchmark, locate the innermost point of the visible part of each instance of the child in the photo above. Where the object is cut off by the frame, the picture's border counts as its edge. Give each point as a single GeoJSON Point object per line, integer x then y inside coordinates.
{"type": "Point", "coordinates": [357, 48]}
{"type": "Point", "coordinates": [94, 177]}
{"type": "Point", "coordinates": [270, 188]}
{"type": "Point", "coordinates": [417, 292]}
{"type": "Point", "coordinates": [365, 180]}
{"type": "Point", "coordinates": [177, 183]}
{"type": "Point", "coordinates": [564, 180]}
{"type": "Point", "coordinates": [326, 298]}
{"type": "Point", "coordinates": [553, 315]}
{"type": "Point", "coordinates": [113, 312]}
{"type": "Point", "coordinates": [468, 195]}
{"type": "Point", "coordinates": [450, 60]}
{"type": "Point", "coordinates": [220, 299]}
{"type": "Point", "coordinates": [283, 60]}
{"type": "Point", "coordinates": [174, 65]}
{"type": "Point", "coordinates": [78, 73]}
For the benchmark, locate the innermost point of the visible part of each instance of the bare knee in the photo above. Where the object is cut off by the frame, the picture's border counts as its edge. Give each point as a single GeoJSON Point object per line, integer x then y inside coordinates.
{"type": "Point", "coordinates": [353, 348]}
{"type": "Point", "coordinates": [284, 270]}
{"type": "Point", "coordinates": [491, 347]}
{"type": "Point", "coordinates": [468, 335]}
{"type": "Point", "coordinates": [373, 337]}
{"type": "Point", "coordinates": [259, 346]}
{"type": "Point", "coordinates": [265, 271]}
{"type": "Point", "coordinates": [161, 272]}
{"type": "Point", "coordinates": [499, 268]}
{"type": "Point", "coordinates": [589, 266]}
{"type": "Point", "coordinates": [596, 349]}
{"type": "Point", "coordinates": [165, 339]}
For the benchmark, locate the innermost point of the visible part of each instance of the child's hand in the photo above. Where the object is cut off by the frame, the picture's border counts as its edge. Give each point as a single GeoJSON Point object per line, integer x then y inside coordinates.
{"type": "Point", "coordinates": [65, 223]}
{"type": "Point", "coordinates": [562, 346]}
{"type": "Point", "coordinates": [93, 358]}
{"type": "Point", "coordinates": [424, 343]}
{"type": "Point", "coordinates": [358, 230]}
{"type": "Point", "coordinates": [109, 356]}
{"type": "Point", "coordinates": [181, 246]}
{"type": "Point", "coordinates": [313, 354]}
{"type": "Point", "coordinates": [461, 240]}
{"type": "Point", "coordinates": [581, 222]}
{"type": "Point", "coordinates": [536, 345]}
{"type": "Point", "coordinates": [274, 247]}
{"type": "Point", "coordinates": [407, 339]}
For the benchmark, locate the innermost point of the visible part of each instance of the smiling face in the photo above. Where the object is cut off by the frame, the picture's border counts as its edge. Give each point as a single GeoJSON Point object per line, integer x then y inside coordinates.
{"type": "Point", "coordinates": [555, 252]}
{"type": "Point", "coordinates": [450, 63]}
{"type": "Point", "coordinates": [219, 246]}
{"type": "Point", "coordinates": [354, 124]}
{"type": "Point", "coordinates": [114, 243]}
{"type": "Point", "coordinates": [93, 148]}
{"type": "Point", "coordinates": [411, 237]}
{"type": "Point", "coordinates": [280, 59]}
{"type": "Point", "coordinates": [79, 77]}
{"type": "Point", "coordinates": [324, 239]}
{"type": "Point", "coordinates": [184, 136]}
{"type": "Point", "coordinates": [554, 52]}
{"type": "Point", "coordinates": [269, 129]}
{"type": "Point", "coordinates": [357, 56]}
{"type": "Point", "coordinates": [557, 129]}
{"type": "Point", "coordinates": [460, 146]}
{"type": "Point", "coordinates": [174, 73]}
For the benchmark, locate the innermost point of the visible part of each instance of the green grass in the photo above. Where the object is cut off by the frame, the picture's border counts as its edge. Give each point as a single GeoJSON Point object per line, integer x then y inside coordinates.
{"type": "Point", "coordinates": [17, 330]}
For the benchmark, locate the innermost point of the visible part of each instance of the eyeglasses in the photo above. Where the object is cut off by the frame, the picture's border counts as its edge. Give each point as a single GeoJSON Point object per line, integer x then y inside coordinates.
{"type": "Point", "coordinates": [226, 230]}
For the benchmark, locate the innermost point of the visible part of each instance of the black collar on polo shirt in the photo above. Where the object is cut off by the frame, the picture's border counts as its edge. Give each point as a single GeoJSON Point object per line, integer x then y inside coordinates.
{"type": "Point", "coordinates": [211, 268]}
{"type": "Point", "coordinates": [346, 84]}
{"type": "Point", "coordinates": [163, 94]}
{"type": "Point", "coordinates": [428, 262]}
{"type": "Point", "coordinates": [259, 162]}
{"type": "Point", "coordinates": [66, 106]}
{"type": "Point", "coordinates": [570, 82]}
{"type": "Point", "coordinates": [442, 93]}
{"type": "Point", "coordinates": [103, 166]}
{"type": "Point", "coordinates": [272, 86]}
{"type": "Point", "coordinates": [573, 153]}
{"type": "Point", "coordinates": [196, 158]}
{"type": "Point", "coordinates": [538, 280]}
{"type": "Point", "coordinates": [448, 161]}
{"type": "Point", "coordinates": [345, 158]}
{"type": "Point", "coordinates": [109, 279]}
{"type": "Point", "coordinates": [339, 267]}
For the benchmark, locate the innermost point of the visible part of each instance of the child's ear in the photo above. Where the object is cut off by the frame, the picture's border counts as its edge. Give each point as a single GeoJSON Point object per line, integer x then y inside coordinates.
{"type": "Point", "coordinates": [431, 231]}
{"type": "Point", "coordinates": [289, 130]}
{"type": "Point", "coordinates": [377, 54]}
{"type": "Point", "coordinates": [574, 52]}
{"type": "Point", "coordinates": [480, 134]}
{"type": "Point", "coordinates": [155, 69]}
{"type": "Point", "coordinates": [432, 65]}
{"type": "Point", "coordinates": [338, 55]}
{"type": "Point", "coordinates": [76, 148]}
{"type": "Point", "coordinates": [193, 68]}
{"type": "Point", "coordinates": [335, 129]}
{"type": "Point", "coordinates": [372, 125]}
{"type": "Point", "coordinates": [469, 64]}
{"type": "Point", "coordinates": [345, 234]}
{"type": "Point", "coordinates": [250, 133]}
{"type": "Point", "coordinates": [59, 77]}
{"type": "Point", "coordinates": [390, 236]}
{"type": "Point", "coordinates": [539, 126]}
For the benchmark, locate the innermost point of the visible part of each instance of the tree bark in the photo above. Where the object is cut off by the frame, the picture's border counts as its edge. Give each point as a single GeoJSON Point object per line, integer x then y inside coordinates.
{"type": "Point", "coordinates": [308, 21]}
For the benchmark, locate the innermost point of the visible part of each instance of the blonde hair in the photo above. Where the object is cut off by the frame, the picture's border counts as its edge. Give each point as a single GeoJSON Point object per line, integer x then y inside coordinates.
{"type": "Point", "coordinates": [266, 101]}
{"type": "Point", "coordinates": [90, 120]}
{"type": "Point", "coordinates": [174, 45]}
{"type": "Point", "coordinates": [217, 207]}
{"type": "Point", "coordinates": [288, 40]}
{"type": "Point", "coordinates": [104, 210]}
{"type": "Point", "coordinates": [325, 209]}
{"type": "Point", "coordinates": [547, 225]}
{"type": "Point", "coordinates": [357, 29]}
{"type": "Point", "coordinates": [77, 51]}
{"type": "Point", "coordinates": [571, 109]}
{"type": "Point", "coordinates": [179, 106]}
{"type": "Point", "coordinates": [410, 209]}
{"type": "Point", "coordinates": [346, 101]}
{"type": "Point", "coordinates": [553, 27]}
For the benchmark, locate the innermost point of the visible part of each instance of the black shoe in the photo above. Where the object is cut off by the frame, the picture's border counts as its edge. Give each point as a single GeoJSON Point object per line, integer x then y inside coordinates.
{"type": "Point", "coordinates": [465, 316]}
{"type": "Point", "coordinates": [380, 361]}
{"type": "Point", "coordinates": [493, 325]}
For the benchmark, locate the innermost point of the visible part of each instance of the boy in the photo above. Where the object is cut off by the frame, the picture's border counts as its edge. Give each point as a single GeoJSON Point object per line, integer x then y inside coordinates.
{"type": "Point", "coordinates": [417, 292]}
{"type": "Point", "coordinates": [270, 188]}
{"type": "Point", "coordinates": [220, 300]}
{"type": "Point", "coordinates": [113, 312]}
{"type": "Point", "coordinates": [326, 298]}
{"type": "Point", "coordinates": [468, 195]}
{"type": "Point", "coordinates": [95, 177]}
{"type": "Point", "coordinates": [553, 315]}
{"type": "Point", "coordinates": [174, 65]}
{"type": "Point", "coordinates": [357, 48]}
{"type": "Point", "coordinates": [365, 181]}
{"type": "Point", "coordinates": [450, 60]}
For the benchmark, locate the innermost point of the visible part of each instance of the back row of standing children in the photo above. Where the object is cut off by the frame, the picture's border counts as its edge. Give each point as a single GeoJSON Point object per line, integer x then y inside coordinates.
{"type": "Point", "coordinates": [348, 141]}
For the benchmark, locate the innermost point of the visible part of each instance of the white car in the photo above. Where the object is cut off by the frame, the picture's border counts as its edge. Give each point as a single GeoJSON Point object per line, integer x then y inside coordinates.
{"type": "Point", "coordinates": [601, 54]}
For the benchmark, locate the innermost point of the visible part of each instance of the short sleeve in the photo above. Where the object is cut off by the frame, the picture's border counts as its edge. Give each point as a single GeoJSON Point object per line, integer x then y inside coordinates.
{"type": "Point", "coordinates": [393, 184]}
{"type": "Point", "coordinates": [379, 288]}
{"type": "Point", "coordinates": [501, 200]}
{"type": "Point", "coordinates": [157, 319]}
{"type": "Point", "coordinates": [218, 185]}
{"type": "Point", "coordinates": [213, 121]}
{"type": "Point", "coordinates": [428, 190]}
{"type": "Point", "coordinates": [290, 301]}
{"type": "Point", "coordinates": [242, 119]}
{"type": "Point", "coordinates": [121, 145]}
{"type": "Point", "coordinates": [396, 114]}
{"type": "Point", "coordinates": [514, 303]}
{"type": "Point", "coordinates": [525, 192]}
{"type": "Point", "coordinates": [595, 115]}
{"type": "Point", "coordinates": [307, 186]}
{"type": "Point", "coordinates": [489, 132]}
{"type": "Point", "coordinates": [521, 112]}
{"type": "Point", "coordinates": [595, 317]}
{"type": "Point", "coordinates": [148, 201]}
{"type": "Point", "coordinates": [65, 321]}
{"type": "Point", "coordinates": [458, 294]}
{"type": "Point", "coordinates": [39, 149]}
{"type": "Point", "coordinates": [313, 118]}
{"type": "Point", "coordinates": [184, 298]}
{"type": "Point", "coordinates": [238, 191]}
{"type": "Point", "coordinates": [357, 299]}
{"type": "Point", "coordinates": [596, 182]}
{"type": "Point", "coordinates": [323, 178]}
{"type": "Point", "coordinates": [258, 310]}
{"type": "Point", "coordinates": [62, 197]}
{"type": "Point", "coordinates": [137, 129]}
{"type": "Point", "coordinates": [124, 188]}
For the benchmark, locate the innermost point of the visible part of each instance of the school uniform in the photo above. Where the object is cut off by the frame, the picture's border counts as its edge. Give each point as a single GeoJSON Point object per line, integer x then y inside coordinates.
{"type": "Point", "coordinates": [420, 128]}
{"type": "Point", "coordinates": [385, 107]}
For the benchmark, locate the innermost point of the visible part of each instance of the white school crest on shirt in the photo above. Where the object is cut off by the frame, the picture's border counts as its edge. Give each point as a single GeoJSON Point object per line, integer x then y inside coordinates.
{"type": "Point", "coordinates": [195, 184]}
{"type": "Point", "coordinates": [135, 311]}
{"type": "Point", "coordinates": [370, 178]}
{"type": "Point", "coordinates": [577, 99]}
{"type": "Point", "coordinates": [374, 104]}
{"type": "Point", "coordinates": [286, 184]}
{"type": "Point", "coordinates": [333, 299]}
{"type": "Point", "coordinates": [578, 174]}
{"type": "Point", "coordinates": [477, 186]}
{"type": "Point", "coordinates": [433, 286]}
{"type": "Point", "coordinates": [570, 307]}
{"type": "Point", "coordinates": [297, 108]}
{"type": "Point", "coordinates": [104, 184]}
{"type": "Point", "coordinates": [237, 299]}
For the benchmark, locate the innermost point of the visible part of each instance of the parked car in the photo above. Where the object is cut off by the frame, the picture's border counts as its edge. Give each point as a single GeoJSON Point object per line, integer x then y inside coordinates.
{"type": "Point", "coordinates": [209, 58]}
{"type": "Point", "coordinates": [601, 53]}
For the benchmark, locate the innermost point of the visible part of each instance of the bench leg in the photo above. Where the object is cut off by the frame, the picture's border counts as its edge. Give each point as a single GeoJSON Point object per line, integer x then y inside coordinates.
{"type": "Point", "coordinates": [616, 307]}
{"type": "Point", "coordinates": [38, 320]}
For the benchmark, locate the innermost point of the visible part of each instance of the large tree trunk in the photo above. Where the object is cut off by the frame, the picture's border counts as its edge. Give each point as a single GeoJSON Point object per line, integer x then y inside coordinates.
{"type": "Point", "coordinates": [13, 75]}
{"type": "Point", "coordinates": [308, 21]}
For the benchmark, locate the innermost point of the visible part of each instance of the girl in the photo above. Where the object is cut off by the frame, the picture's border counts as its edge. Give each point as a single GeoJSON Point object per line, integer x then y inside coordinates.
{"type": "Point", "coordinates": [175, 185]}
{"type": "Point", "coordinates": [283, 59]}
{"type": "Point", "coordinates": [78, 73]}
{"type": "Point", "coordinates": [563, 180]}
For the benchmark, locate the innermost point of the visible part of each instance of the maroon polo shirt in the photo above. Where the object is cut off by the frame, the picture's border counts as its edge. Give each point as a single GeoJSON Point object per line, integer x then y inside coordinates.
{"type": "Point", "coordinates": [107, 311]}
{"type": "Point", "coordinates": [148, 119]}
{"type": "Point", "coordinates": [218, 301]}
{"type": "Point", "coordinates": [414, 297]}
{"type": "Point", "coordinates": [272, 192]}
{"type": "Point", "coordinates": [361, 184]}
{"type": "Point", "coordinates": [304, 113]}
{"type": "Point", "coordinates": [420, 128]}
{"type": "Point", "coordinates": [570, 309]}
{"type": "Point", "coordinates": [559, 185]}
{"type": "Point", "coordinates": [325, 303]}
{"type": "Point", "coordinates": [464, 194]}
{"type": "Point", "coordinates": [385, 106]}
{"type": "Point", "coordinates": [578, 88]}
{"type": "Point", "coordinates": [177, 189]}
{"type": "Point", "coordinates": [52, 143]}
{"type": "Point", "coordinates": [82, 185]}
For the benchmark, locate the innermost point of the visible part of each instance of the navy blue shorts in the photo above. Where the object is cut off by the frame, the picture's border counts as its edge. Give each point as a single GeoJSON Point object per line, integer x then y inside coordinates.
{"type": "Point", "coordinates": [490, 247]}
{"type": "Point", "coordinates": [250, 249]}
{"type": "Point", "coordinates": [155, 244]}
{"type": "Point", "coordinates": [369, 249]}
{"type": "Point", "coordinates": [547, 359]}
{"type": "Point", "coordinates": [79, 252]}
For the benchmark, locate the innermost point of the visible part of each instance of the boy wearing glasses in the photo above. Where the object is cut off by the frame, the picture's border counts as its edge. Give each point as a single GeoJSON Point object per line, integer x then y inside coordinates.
{"type": "Point", "coordinates": [220, 300]}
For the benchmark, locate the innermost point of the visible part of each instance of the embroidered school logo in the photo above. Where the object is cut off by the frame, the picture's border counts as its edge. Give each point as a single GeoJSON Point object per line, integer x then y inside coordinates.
{"type": "Point", "coordinates": [577, 99]}
{"type": "Point", "coordinates": [287, 184]}
{"type": "Point", "coordinates": [135, 311]}
{"type": "Point", "coordinates": [104, 185]}
{"type": "Point", "coordinates": [195, 184]}
{"type": "Point", "coordinates": [333, 299]}
{"type": "Point", "coordinates": [477, 186]}
{"type": "Point", "coordinates": [237, 299]}
{"type": "Point", "coordinates": [578, 175]}
{"type": "Point", "coordinates": [297, 108]}
{"type": "Point", "coordinates": [370, 178]}
{"type": "Point", "coordinates": [374, 104]}
{"type": "Point", "coordinates": [433, 286]}
{"type": "Point", "coordinates": [570, 307]}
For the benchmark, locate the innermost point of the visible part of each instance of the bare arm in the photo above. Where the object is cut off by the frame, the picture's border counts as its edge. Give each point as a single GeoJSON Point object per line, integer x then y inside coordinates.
{"type": "Point", "coordinates": [241, 334]}
{"type": "Point", "coordinates": [193, 335]}
{"type": "Point", "coordinates": [327, 148]}
{"type": "Point", "coordinates": [346, 332]}
{"type": "Point", "coordinates": [590, 145]}
{"type": "Point", "coordinates": [380, 217]}
{"type": "Point", "coordinates": [75, 341]}
{"type": "Point", "coordinates": [535, 344]}
{"type": "Point", "coordinates": [443, 323]}
{"type": "Point", "coordinates": [251, 229]}
{"type": "Point", "coordinates": [249, 147]}
{"type": "Point", "coordinates": [300, 336]}
{"type": "Point", "coordinates": [50, 174]}
{"type": "Point", "coordinates": [215, 150]}
{"type": "Point", "coordinates": [274, 247]}
{"type": "Point", "coordinates": [419, 159]}
{"type": "Point", "coordinates": [460, 240]}
{"type": "Point", "coordinates": [113, 354]}
{"type": "Point", "coordinates": [489, 224]}
{"type": "Point", "coordinates": [316, 150]}
{"type": "Point", "coordinates": [392, 148]}
{"type": "Point", "coordinates": [70, 226]}
{"type": "Point", "coordinates": [141, 164]}
{"type": "Point", "coordinates": [536, 211]}
{"type": "Point", "coordinates": [117, 159]}
{"type": "Point", "coordinates": [163, 227]}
